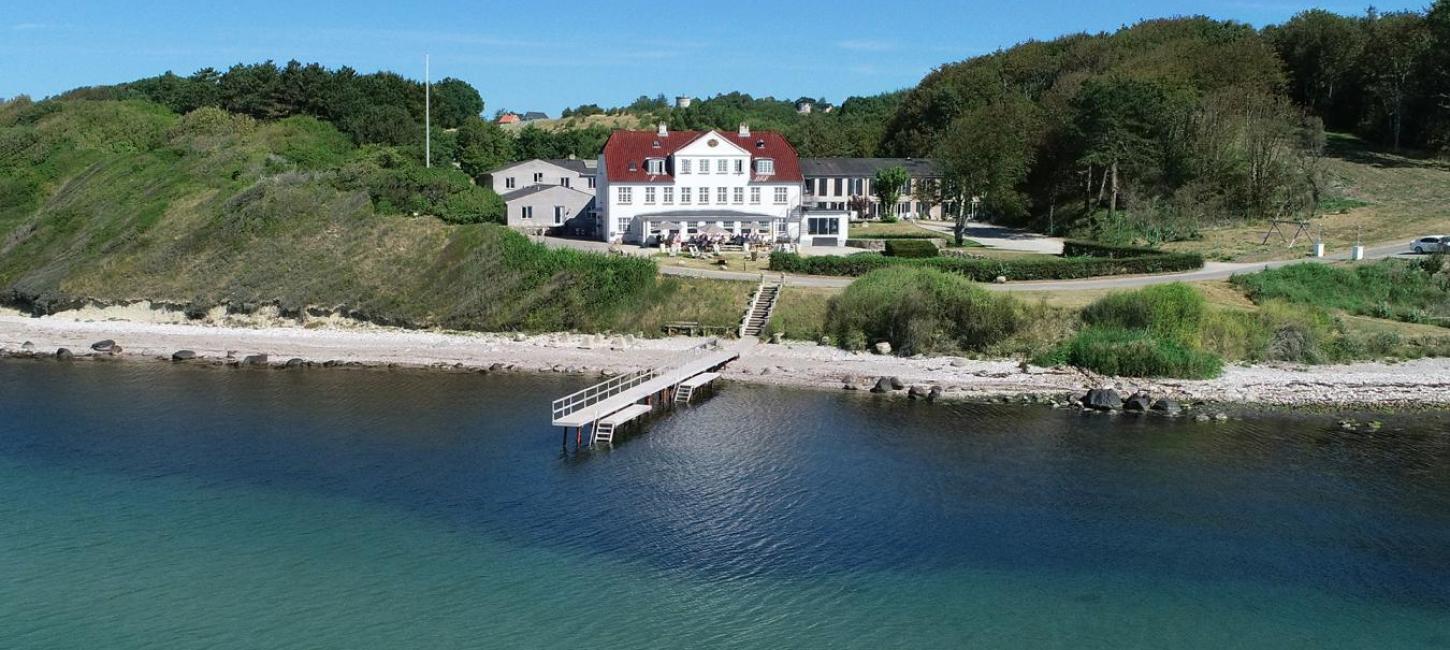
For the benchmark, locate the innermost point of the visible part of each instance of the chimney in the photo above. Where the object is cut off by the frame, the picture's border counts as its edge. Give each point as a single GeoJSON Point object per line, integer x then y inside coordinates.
{"type": "Point", "coordinates": [663, 131]}
{"type": "Point", "coordinates": [744, 130]}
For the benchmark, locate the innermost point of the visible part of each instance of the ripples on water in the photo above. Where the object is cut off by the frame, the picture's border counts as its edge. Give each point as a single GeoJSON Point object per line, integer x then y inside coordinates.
{"type": "Point", "coordinates": [150, 505]}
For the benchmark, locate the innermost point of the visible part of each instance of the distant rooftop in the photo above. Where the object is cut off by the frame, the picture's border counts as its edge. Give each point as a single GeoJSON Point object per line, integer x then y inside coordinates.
{"type": "Point", "coordinates": [865, 167]}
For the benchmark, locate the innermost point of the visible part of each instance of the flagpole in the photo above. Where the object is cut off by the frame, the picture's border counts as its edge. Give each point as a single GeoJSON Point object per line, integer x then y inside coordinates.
{"type": "Point", "coordinates": [427, 113]}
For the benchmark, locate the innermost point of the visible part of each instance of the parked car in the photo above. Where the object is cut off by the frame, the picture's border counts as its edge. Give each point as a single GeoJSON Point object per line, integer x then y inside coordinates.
{"type": "Point", "coordinates": [1424, 245]}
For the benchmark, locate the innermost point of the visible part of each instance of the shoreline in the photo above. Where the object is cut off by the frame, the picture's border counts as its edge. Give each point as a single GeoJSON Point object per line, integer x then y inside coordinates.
{"type": "Point", "coordinates": [146, 334]}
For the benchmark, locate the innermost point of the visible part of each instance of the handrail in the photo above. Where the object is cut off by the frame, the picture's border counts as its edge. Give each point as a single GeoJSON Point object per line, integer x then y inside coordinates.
{"type": "Point", "coordinates": [601, 391]}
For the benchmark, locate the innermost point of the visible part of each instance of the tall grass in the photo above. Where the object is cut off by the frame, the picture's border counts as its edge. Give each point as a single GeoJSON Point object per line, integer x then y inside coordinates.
{"type": "Point", "coordinates": [1152, 332]}
{"type": "Point", "coordinates": [920, 310]}
{"type": "Point", "coordinates": [1391, 289]}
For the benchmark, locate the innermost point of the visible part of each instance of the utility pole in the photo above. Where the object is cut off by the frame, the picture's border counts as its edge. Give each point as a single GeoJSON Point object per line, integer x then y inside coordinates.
{"type": "Point", "coordinates": [427, 113]}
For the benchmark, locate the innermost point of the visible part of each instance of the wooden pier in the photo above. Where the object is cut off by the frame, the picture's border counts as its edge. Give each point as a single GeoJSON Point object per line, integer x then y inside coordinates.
{"type": "Point", "coordinates": [611, 403]}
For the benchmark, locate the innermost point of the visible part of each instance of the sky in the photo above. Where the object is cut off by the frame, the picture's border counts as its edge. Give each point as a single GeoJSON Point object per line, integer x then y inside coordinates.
{"type": "Point", "coordinates": [544, 56]}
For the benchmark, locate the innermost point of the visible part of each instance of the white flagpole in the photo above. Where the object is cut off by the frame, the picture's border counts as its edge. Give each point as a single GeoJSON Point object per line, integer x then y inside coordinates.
{"type": "Point", "coordinates": [427, 113]}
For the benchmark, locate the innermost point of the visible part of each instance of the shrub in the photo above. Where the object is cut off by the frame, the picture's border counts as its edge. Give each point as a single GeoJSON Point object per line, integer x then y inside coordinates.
{"type": "Point", "coordinates": [986, 270]}
{"type": "Point", "coordinates": [911, 248]}
{"type": "Point", "coordinates": [1171, 311]}
{"type": "Point", "coordinates": [1135, 353]}
{"type": "Point", "coordinates": [1391, 289]}
{"type": "Point", "coordinates": [920, 310]}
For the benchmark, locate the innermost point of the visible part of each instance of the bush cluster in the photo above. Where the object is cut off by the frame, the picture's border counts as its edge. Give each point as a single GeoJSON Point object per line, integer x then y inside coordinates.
{"type": "Point", "coordinates": [1392, 289]}
{"type": "Point", "coordinates": [987, 270]}
{"type": "Point", "coordinates": [1153, 332]}
{"type": "Point", "coordinates": [911, 248]}
{"type": "Point", "coordinates": [920, 310]}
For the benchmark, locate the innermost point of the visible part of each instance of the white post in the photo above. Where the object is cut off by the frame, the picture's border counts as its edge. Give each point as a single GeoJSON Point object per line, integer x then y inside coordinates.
{"type": "Point", "coordinates": [427, 113]}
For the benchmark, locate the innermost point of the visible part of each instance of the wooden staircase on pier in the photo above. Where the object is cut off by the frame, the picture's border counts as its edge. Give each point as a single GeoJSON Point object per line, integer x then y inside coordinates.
{"type": "Point", "coordinates": [762, 305]}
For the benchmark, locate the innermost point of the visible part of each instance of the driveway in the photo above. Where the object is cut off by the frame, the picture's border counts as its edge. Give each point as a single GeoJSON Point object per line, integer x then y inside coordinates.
{"type": "Point", "coordinates": [1002, 237]}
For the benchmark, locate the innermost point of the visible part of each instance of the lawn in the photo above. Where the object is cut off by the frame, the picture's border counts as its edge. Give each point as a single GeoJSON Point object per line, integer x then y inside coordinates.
{"type": "Point", "coordinates": [881, 230]}
{"type": "Point", "coordinates": [1373, 196]}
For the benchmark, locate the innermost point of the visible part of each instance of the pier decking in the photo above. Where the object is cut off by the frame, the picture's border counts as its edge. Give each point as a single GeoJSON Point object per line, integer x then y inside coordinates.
{"type": "Point", "coordinates": [592, 404]}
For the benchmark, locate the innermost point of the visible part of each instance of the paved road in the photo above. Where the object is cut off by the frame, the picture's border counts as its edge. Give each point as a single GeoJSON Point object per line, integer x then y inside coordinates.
{"type": "Point", "coordinates": [1001, 237]}
{"type": "Point", "coordinates": [1210, 271]}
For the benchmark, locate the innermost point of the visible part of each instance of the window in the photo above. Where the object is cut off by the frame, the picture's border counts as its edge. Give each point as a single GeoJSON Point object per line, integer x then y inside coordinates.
{"type": "Point", "coordinates": [839, 189]}
{"type": "Point", "coordinates": [564, 180]}
{"type": "Point", "coordinates": [621, 224]}
{"type": "Point", "coordinates": [559, 214]}
{"type": "Point", "coordinates": [755, 196]}
{"type": "Point", "coordinates": [722, 195]}
{"type": "Point", "coordinates": [669, 195]}
{"type": "Point", "coordinates": [685, 165]}
{"type": "Point", "coordinates": [649, 196]}
{"type": "Point", "coordinates": [526, 212]}
{"type": "Point", "coordinates": [538, 177]}
{"type": "Point", "coordinates": [821, 186]}
{"type": "Point", "coordinates": [904, 208]}
{"type": "Point", "coordinates": [823, 226]}
{"type": "Point", "coordinates": [739, 166]}
{"type": "Point", "coordinates": [626, 195]}
{"type": "Point", "coordinates": [655, 166]}
{"type": "Point", "coordinates": [781, 196]}
{"type": "Point", "coordinates": [722, 166]}
{"type": "Point", "coordinates": [591, 182]}
{"type": "Point", "coordinates": [508, 183]}
{"type": "Point", "coordinates": [704, 166]}
{"type": "Point", "coordinates": [684, 196]}
{"type": "Point", "coordinates": [739, 195]}
{"type": "Point", "coordinates": [765, 166]}
{"type": "Point", "coordinates": [858, 186]}
{"type": "Point", "coordinates": [704, 196]}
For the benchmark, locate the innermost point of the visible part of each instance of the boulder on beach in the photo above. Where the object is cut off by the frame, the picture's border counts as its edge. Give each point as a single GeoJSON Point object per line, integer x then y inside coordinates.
{"type": "Point", "coordinates": [897, 384]}
{"type": "Point", "coordinates": [1102, 399]}
{"type": "Point", "coordinates": [1167, 407]}
{"type": "Point", "coordinates": [883, 348]}
{"type": "Point", "coordinates": [295, 363]}
{"type": "Point", "coordinates": [27, 347]}
{"type": "Point", "coordinates": [885, 385]}
{"type": "Point", "coordinates": [255, 360]}
{"type": "Point", "coordinates": [104, 346]}
{"type": "Point", "coordinates": [183, 355]}
{"type": "Point", "coordinates": [917, 392]}
{"type": "Point", "coordinates": [1140, 402]}
{"type": "Point", "coordinates": [64, 354]}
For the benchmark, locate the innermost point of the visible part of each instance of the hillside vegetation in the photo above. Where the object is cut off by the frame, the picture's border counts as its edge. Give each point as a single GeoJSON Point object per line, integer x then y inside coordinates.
{"type": "Point", "coordinates": [126, 200]}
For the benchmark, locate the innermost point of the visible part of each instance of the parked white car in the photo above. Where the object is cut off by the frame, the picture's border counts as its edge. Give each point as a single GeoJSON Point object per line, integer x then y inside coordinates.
{"type": "Point", "coordinates": [1425, 245]}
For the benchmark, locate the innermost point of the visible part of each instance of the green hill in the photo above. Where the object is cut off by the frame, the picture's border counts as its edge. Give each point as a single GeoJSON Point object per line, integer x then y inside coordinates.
{"type": "Point", "coordinates": [116, 201]}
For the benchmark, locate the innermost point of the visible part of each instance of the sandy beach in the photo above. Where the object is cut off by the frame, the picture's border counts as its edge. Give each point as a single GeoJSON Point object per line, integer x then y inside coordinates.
{"type": "Point", "coordinates": [143, 333]}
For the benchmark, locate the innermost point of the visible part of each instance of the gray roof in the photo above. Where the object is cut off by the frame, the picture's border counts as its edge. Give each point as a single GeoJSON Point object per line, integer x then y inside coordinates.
{"type": "Point", "coordinates": [535, 115]}
{"type": "Point", "coordinates": [535, 189]}
{"type": "Point", "coordinates": [866, 167]}
{"type": "Point", "coordinates": [581, 167]}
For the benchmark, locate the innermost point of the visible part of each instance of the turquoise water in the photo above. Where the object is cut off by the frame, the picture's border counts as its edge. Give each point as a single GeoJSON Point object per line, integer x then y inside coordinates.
{"type": "Point", "coordinates": [145, 506]}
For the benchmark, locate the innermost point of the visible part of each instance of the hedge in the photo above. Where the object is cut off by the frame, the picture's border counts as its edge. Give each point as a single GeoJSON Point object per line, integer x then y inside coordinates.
{"type": "Point", "coordinates": [911, 248]}
{"type": "Point", "coordinates": [987, 270]}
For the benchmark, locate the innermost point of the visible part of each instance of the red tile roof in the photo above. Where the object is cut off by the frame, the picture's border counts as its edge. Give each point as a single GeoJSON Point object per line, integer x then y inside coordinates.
{"type": "Point", "coordinates": [625, 147]}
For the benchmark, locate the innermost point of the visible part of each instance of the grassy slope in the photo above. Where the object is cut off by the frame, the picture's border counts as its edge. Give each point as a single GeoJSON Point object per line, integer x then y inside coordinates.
{"type": "Point", "coordinates": [125, 201]}
{"type": "Point", "coordinates": [1405, 196]}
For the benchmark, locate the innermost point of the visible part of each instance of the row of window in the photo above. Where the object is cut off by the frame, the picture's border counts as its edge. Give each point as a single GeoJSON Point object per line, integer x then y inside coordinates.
{"type": "Point", "coordinates": [564, 181]}
{"type": "Point", "coordinates": [560, 213]}
{"type": "Point", "coordinates": [845, 186]}
{"type": "Point", "coordinates": [723, 196]}
{"type": "Point", "coordinates": [656, 166]}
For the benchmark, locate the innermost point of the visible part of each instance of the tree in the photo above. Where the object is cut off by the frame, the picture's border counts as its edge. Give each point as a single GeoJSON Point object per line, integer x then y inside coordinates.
{"type": "Point", "coordinates": [1321, 52]}
{"type": "Point", "coordinates": [1397, 44]}
{"type": "Point", "coordinates": [454, 101]}
{"type": "Point", "coordinates": [986, 155]}
{"type": "Point", "coordinates": [888, 185]}
{"type": "Point", "coordinates": [483, 146]}
{"type": "Point", "coordinates": [1122, 122]}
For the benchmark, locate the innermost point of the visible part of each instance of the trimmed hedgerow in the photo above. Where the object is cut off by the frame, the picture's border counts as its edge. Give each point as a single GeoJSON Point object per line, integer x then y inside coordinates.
{"type": "Point", "coordinates": [987, 270]}
{"type": "Point", "coordinates": [911, 248]}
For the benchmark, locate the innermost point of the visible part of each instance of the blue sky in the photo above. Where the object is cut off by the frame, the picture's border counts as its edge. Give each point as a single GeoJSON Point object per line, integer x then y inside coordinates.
{"type": "Point", "coordinates": [547, 55]}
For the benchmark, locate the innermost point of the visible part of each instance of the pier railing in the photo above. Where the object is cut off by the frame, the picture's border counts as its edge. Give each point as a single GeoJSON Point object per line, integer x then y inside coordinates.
{"type": "Point", "coordinates": [600, 392]}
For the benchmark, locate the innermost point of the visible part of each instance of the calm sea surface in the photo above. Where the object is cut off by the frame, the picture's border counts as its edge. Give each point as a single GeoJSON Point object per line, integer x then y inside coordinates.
{"type": "Point", "coordinates": [146, 506]}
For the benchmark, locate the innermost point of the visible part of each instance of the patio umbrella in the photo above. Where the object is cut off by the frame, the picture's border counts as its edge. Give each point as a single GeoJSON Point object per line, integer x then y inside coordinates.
{"type": "Point", "coordinates": [715, 231]}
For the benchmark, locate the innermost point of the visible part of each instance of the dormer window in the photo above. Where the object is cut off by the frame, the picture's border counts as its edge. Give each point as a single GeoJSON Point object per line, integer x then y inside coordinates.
{"type": "Point", "coordinates": [759, 144]}
{"type": "Point", "coordinates": [655, 145]}
{"type": "Point", "coordinates": [655, 166]}
{"type": "Point", "coordinates": [765, 166]}
{"type": "Point", "coordinates": [633, 167]}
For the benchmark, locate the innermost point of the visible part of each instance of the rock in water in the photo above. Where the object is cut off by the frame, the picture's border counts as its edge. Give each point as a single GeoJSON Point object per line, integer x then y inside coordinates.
{"type": "Point", "coordinates": [917, 392]}
{"type": "Point", "coordinates": [64, 354]}
{"type": "Point", "coordinates": [883, 385]}
{"type": "Point", "coordinates": [295, 363]}
{"type": "Point", "coordinates": [882, 348]}
{"type": "Point", "coordinates": [103, 346]}
{"type": "Point", "coordinates": [255, 360]}
{"type": "Point", "coordinates": [183, 355]}
{"type": "Point", "coordinates": [897, 384]}
{"type": "Point", "coordinates": [1167, 407]}
{"type": "Point", "coordinates": [1102, 399]}
{"type": "Point", "coordinates": [1138, 403]}
{"type": "Point", "coordinates": [934, 394]}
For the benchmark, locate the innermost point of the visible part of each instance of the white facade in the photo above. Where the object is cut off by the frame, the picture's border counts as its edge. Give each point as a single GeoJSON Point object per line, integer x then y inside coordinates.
{"type": "Point", "coordinates": [710, 181]}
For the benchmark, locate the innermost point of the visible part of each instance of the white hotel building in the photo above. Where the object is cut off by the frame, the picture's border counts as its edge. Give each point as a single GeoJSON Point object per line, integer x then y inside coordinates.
{"type": "Point", "coordinates": [654, 183]}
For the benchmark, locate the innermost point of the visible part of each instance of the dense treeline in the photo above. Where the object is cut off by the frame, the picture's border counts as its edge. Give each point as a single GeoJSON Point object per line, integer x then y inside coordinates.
{"type": "Point", "coordinates": [1161, 128]}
